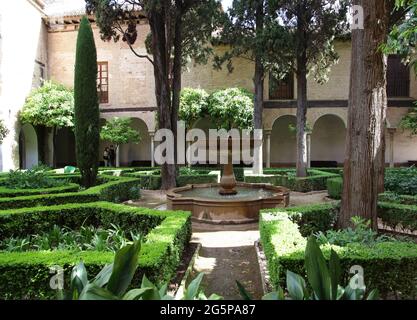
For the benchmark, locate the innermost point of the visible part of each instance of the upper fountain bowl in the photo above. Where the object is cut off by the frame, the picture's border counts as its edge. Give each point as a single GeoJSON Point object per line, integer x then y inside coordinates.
{"type": "Point", "coordinates": [207, 205]}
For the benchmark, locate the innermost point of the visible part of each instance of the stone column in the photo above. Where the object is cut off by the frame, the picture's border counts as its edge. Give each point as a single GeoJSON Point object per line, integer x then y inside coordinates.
{"type": "Point", "coordinates": [309, 150]}
{"type": "Point", "coordinates": [152, 135]}
{"type": "Point", "coordinates": [391, 132]}
{"type": "Point", "coordinates": [268, 147]}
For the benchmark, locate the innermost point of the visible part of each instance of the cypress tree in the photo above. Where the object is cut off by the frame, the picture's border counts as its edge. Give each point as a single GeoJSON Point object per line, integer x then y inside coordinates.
{"type": "Point", "coordinates": [86, 109]}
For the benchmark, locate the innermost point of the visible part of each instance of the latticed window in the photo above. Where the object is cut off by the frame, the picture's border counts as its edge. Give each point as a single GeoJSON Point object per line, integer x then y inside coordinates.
{"type": "Point", "coordinates": [398, 78]}
{"type": "Point", "coordinates": [281, 89]}
{"type": "Point", "coordinates": [103, 81]}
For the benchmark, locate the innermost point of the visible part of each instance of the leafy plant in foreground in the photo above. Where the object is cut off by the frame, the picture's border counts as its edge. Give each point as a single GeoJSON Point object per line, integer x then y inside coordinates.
{"type": "Point", "coordinates": [323, 280]}
{"type": "Point", "coordinates": [113, 281]}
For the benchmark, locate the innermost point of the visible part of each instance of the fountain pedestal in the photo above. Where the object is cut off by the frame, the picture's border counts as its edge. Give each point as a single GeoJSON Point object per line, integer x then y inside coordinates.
{"type": "Point", "coordinates": [228, 181]}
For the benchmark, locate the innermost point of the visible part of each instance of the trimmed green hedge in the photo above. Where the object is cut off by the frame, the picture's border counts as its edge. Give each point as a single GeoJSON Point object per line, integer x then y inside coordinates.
{"type": "Point", "coordinates": [316, 179]}
{"type": "Point", "coordinates": [313, 218]}
{"type": "Point", "coordinates": [398, 198]}
{"type": "Point", "coordinates": [25, 275]}
{"type": "Point", "coordinates": [151, 179]}
{"type": "Point", "coordinates": [398, 215]}
{"type": "Point", "coordinates": [335, 187]}
{"type": "Point", "coordinates": [183, 180]}
{"type": "Point", "coordinates": [114, 189]}
{"type": "Point", "coordinates": [6, 192]}
{"type": "Point", "coordinates": [389, 266]}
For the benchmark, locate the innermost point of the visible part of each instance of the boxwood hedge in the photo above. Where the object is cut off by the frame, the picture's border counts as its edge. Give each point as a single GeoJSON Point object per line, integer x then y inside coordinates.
{"type": "Point", "coordinates": [388, 266]}
{"type": "Point", "coordinates": [6, 192]}
{"type": "Point", "coordinates": [26, 275]}
{"type": "Point", "coordinates": [112, 188]}
{"type": "Point", "coordinates": [316, 179]}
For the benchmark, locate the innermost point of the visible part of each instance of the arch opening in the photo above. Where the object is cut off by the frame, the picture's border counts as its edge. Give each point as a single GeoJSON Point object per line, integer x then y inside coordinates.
{"type": "Point", "coordinates": [283, 141]}
{"type": "Point", "coordinates": [328, 141]}
{"type": "Point", "coordinates": [28, 147]}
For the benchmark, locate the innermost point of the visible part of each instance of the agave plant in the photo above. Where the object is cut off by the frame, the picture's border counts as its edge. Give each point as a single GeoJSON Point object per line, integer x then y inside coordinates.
{"type": "Point", "coordinates": [113, 281]}
{"type": "Point", "coordinates": [323, 280]}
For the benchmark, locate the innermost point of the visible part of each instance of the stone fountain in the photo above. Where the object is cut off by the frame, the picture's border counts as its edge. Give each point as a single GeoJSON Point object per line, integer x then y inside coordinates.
{"type": "Point", "coordinates": [229, 201]}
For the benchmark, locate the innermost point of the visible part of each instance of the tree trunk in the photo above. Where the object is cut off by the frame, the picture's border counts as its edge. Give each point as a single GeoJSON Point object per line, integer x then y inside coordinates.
{"type": "Point", "coordinates": [301, 162]}
{"type": "Point", "coordinates": [258, 80]}
{"type": "Point", "coordinates": [176, 86]}
{"type": "Point", "coordinates": [162, 88]}
{"type": "Point", "coordinates": [366, 117]}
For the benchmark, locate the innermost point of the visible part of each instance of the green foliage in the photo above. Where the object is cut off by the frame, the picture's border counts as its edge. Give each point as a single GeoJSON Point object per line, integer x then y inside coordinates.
{"type": "Point", "coordinates": [3, 131]}
{"type": "Point", "coordinates": [193, 105]}
{"type": "Point", "coordinates": [231, 108]}
{"type": "Point", "coordinates": [314, 218]}
{"type": "Point", "coordinates": [402, 40]}
{"type": "Point", "coordinates": [119, 131]}
{"type": "Point", "coordinates": [397, 198]}
{"type": "Point", "coordinates": [31, 179]}
{"type": "Point", "coordinates": [397, 215]}
{"type": "Point", "coordinates": [360, 233]}
{"type": "Point", "coordinates": [199, 21]}
{"type": "Point", "coordinates": [167, 232]}
{"type": "Point", "coordinates": [252, 38]}
{"type": "Point", "coordinates": [63, 238]}
{"type": "Point", "coordinates": [316, 179]}
{"type": "Point", "coordinates": [323, 279]}
{"type": "Point", "coordinates": [51, 105]}
{"type": "Point", "coordinates": [409, 121]}
{"type": "Point", "coordinates": [401, 181]}
{"type": "Point", "coordinates": [86, 109]}
{"type": "Point", "coordinates": [112, 188]}
{"type": "Point", "coordinates": [335, 187]}
{"type": "Point", "coordinates": [113, 281]}
{"type": "Point", "coordinates": [316, 24]}
{"type": "Point", "coordinates": [388, 266]}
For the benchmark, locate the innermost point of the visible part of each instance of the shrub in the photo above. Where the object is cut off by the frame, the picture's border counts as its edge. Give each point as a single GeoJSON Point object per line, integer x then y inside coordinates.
{"type": "Point", "coordinates": [317, 180]}
{"type": "Point", "coordinates": [112, 282]}
{"type": "Point", "coordinates": [397, 198]}
{"type": "Point", "coordinates": [323, 279]}
{"type": "Point", "coordinates": [63, 238]}
{"type": "Point", "coordinates": [114, 189]}
{"type": "Point", "coordinates": [335, 187]}
{"type": "Point", "coordinates": [388, 266]}
{"type": "Point", "coordinates": [167, 232]}
{"type": "Point", "coordinates": [6, 192]}
{"type": "Point", "coordinates": [30, 179]}
{"type": "Point", "coordinates": [401, 181]}
{"type": "Point", "coordinates": [314, 218]}
{"type": "Point", "coordinates": [360, 233]}
{"type": "Point", "coordinates": [397, 215]}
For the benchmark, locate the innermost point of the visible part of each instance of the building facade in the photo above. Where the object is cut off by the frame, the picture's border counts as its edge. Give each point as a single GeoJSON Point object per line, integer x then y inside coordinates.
{"type": "Point", "coordinates": [126, 89]}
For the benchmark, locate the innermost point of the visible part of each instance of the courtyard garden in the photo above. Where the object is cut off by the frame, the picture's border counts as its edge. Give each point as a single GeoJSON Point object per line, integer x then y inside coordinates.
{"type": "Point", "coordinates": [199, 221]}
{"type": "Point", "coordinates": [48, 220]}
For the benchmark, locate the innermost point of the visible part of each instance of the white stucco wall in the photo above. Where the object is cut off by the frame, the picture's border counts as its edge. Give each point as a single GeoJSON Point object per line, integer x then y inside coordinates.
{"type": "Point", "coordinates": [21, 46]}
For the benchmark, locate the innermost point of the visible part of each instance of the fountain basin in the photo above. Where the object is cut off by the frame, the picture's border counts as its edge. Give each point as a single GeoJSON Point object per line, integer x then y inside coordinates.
{"type": "Point", "coordinates": [207, 205]}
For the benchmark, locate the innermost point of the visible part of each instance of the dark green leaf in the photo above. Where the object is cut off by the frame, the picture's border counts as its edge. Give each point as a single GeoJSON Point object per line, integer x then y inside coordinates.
{"type": "Point", "coordinates": [125, 264]}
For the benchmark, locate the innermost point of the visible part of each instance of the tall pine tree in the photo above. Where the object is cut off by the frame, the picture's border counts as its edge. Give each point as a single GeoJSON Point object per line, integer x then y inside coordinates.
{"type": "Point", "coordinates": [86, 109]}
